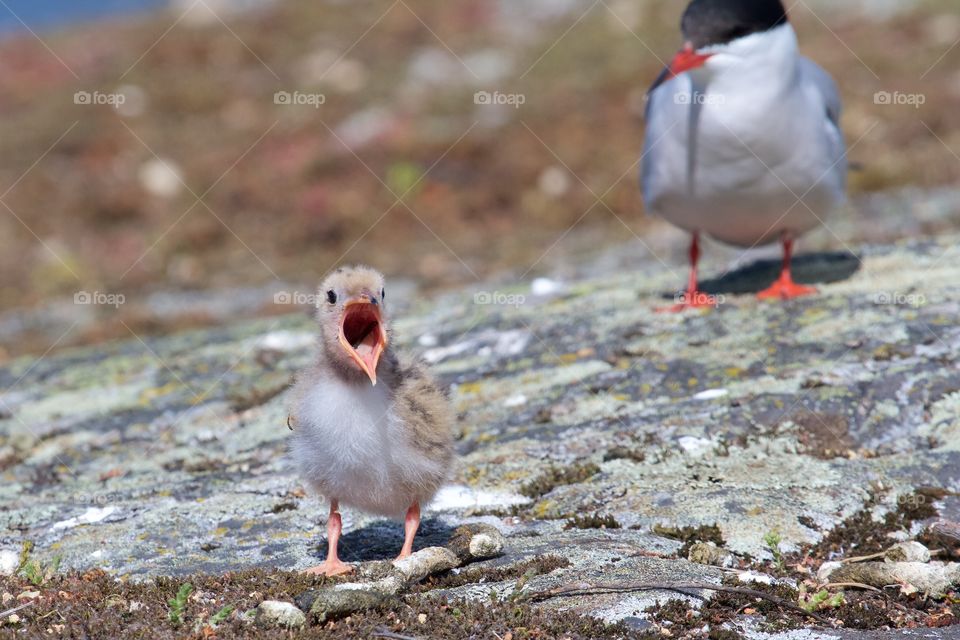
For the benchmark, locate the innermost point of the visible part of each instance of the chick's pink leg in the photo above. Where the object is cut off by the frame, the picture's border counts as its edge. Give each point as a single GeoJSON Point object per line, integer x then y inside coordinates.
{"type": "Point", "coordinates": [410, 525]}
{"type": "Point", "coordinates": [333, 566]}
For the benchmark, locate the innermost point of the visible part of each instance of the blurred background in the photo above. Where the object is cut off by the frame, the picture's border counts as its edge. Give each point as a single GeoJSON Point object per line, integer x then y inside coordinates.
{"type": "Point", "coordinates": [176, 163]}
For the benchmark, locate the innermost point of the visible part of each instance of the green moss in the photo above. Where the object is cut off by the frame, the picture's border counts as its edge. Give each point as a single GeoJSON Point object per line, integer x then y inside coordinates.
{"type": "Point", "coordinates": [683, 619]}
{"type": "Point", "coordinates": [674, 611]}
{"type": "Point", "coordinates": [595, 521]}
{"type": "Point", "coordinates": [718, 633]}
{"type": "Point", "coordinates": [624, 453]}
{"type": "Point", "coordinates": [249, 395]}
{"type": "Point", "coordinates": [556, 476]}
{"type": "Point", "coordinates": [178, 604]}
{"type": "Point", "coordinates": [691, 535]}
{"type": "Point", "coordinates": [860, 534]}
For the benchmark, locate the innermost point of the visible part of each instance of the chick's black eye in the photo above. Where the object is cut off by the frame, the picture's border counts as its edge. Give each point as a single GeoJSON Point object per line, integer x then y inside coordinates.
{"type": "Point", "coordinates": [383, 294]}
{"type": "Point", "coordinates": [332, 296]}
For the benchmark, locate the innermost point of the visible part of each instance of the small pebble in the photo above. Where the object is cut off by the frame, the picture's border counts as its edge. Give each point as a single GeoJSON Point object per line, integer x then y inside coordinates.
{"type": "Point", "coordinates": [483, 545]}
{"type": "Point", "coordinates": [135, 101]}
{"type": "Point", "coordinates": [161, 178]}
{"type": "Point", "coordinates": [545, 287]}
{"type": "Point", "coordinates": [9, 561]}
{"type": "Point", "coordinates": [911, 551]}
{"type": "Point", "coordinates": [710, 554]}
{"type": "Point", "coordinates": [554, 181]}
{"type": "Point", "coordinates": [428, 340]}
{"type": "Point", "coordinates": [476, 541]}
{"type": "Point", "coordinates": [515, 401]}
{"type": "Point", "coordinates": [273, 613]}
{"type": "Point", "coordinates": [755, 577]}
{"type": "Point", "coordinates": [711, 394]}
{"type": "Point", "coordinates": [823, 574]}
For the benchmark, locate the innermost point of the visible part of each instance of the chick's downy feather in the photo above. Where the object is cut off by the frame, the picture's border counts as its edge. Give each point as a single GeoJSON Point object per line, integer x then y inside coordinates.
{"type": "Point", "coordinates": [379, 448]}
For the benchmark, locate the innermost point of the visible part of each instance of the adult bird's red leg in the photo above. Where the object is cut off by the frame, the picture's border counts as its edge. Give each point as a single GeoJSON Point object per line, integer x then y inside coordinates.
{"type": "Point", "coordinates": [333, 566]}
{"type": "Point", "coordinates": [785, 288]}
{"type": "Point", "coordinates": [410, 525]}
{"type": "Point", "coordinates": [693, 298]}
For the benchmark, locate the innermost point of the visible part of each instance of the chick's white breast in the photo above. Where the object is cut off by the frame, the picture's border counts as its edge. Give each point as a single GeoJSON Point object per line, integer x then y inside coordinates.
{"type": "Point", "coordinates": [349, 444]}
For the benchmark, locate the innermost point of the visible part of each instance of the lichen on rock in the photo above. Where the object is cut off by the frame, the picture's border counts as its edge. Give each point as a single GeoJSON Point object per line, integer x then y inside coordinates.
{"type": "Point", "coordinates": [169, 459]}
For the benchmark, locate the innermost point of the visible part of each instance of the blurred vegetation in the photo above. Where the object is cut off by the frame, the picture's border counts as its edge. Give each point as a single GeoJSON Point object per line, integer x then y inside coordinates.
{"type": "Point", "coordinates": [398, 167]}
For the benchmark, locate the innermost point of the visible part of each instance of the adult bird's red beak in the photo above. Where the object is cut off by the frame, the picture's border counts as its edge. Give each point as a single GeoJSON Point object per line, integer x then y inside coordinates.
{"type": "Point", "coordinates": [687, 59]}
{"type": "Point", "coordinates": [362, 334]}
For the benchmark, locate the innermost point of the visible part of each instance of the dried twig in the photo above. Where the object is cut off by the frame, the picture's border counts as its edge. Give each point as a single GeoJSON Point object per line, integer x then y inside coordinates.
{"type": "Point", "coordinates": [872, 556]}
{"type": "Point", "coordinates": [590, 590]}
{"type": "Point", "coordinates": [385, 633]}
{"type": "Point", "coordinates": [946, 532]}
{"type": "Point", "coordinates": [852, 585]}
{"type": "Point", "coordinates": [15, 609]}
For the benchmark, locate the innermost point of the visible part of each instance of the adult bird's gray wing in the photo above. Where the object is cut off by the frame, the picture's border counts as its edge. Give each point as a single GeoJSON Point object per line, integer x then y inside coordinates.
{"type": "Point", "coordinates": [815, 75]}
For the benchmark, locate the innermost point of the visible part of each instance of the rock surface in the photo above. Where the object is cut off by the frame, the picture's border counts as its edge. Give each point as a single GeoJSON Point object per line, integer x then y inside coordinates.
{"type": "Point", "coordinates": [167, 456]}
{"type": "Point", "coordinates": [933, 578]}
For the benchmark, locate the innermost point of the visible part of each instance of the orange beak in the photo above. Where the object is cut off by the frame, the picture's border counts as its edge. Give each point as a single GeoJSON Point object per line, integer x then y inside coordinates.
{"type": "Point", "coordinates": [363, 336]}
{"type": "Point", "coordinates": [687, 59]}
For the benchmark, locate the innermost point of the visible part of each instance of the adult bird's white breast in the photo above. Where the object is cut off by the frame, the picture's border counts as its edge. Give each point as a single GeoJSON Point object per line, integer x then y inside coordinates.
{"type": "Point", "coordinates": [746, 147]}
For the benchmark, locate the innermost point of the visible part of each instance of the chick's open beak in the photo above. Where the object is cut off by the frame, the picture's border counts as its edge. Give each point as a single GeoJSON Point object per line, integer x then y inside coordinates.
{"type": "Point", "coordinates": [362, 334]}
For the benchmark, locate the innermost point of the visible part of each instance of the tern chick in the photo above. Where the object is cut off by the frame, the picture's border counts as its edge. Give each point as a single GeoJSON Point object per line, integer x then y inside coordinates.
{"type": "Point", "coordinates": [368, 431]}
